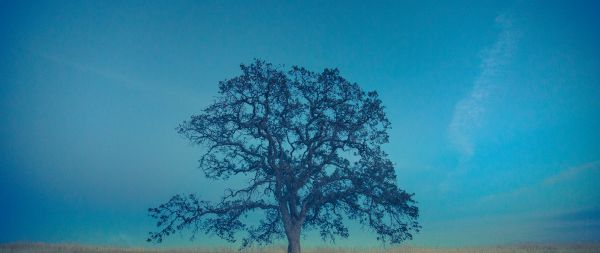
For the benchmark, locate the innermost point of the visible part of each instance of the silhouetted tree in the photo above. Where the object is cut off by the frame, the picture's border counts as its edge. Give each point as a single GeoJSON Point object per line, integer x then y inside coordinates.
{"type": "Point", "coordinates": [309, 144]}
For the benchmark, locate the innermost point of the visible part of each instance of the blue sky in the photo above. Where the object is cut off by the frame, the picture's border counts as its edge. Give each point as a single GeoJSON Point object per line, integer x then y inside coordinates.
{"type": "Point", "coordinates": [495, 109]}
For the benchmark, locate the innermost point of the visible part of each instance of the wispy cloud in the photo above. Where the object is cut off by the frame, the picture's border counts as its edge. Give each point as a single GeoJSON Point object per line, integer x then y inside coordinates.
{"type": "Point", "coordinates": [87, 68]}
{"type": "Point", "coordinates": [572, 172]}
{"type": "Point", "coordinates": [468, 112]}
{"type": "Point", "coordinates": [511, 194]}
{"type": "Point", "coordinates": [116, 77]}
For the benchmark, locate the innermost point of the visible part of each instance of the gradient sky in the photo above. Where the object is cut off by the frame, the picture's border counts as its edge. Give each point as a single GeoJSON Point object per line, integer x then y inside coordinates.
{"type": "Point", "coordinates": [495, 109]}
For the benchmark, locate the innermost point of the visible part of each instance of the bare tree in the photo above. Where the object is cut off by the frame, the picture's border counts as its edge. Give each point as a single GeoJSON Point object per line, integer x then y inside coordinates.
{"type": "Point", "coordinates": [309, 144]}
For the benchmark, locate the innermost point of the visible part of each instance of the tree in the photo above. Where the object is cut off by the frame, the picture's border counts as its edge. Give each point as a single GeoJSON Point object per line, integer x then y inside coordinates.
{"type": "Point", "coordinates": [309, 144]}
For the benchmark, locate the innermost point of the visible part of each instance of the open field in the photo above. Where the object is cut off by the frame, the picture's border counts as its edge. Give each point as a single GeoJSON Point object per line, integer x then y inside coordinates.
{"type": "Point", "coordinates": [73, 248]}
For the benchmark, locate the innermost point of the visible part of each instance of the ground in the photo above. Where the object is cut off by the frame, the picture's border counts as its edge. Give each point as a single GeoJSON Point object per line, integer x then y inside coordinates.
{"type": "Point", "coordinates": [73, 248]}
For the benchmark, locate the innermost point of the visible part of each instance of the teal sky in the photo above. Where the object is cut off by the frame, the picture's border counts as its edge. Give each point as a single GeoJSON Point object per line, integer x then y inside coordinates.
{"type": "Point", "coordinates": [495, 109]}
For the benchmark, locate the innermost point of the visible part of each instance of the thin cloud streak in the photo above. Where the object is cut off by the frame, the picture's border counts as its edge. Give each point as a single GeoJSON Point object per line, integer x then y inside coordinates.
{"type": "Point", "coordinates": [572, 172]}
{"type": "Point", "coordinates": [468, 112]}
{"type": "Point", "coordinates": [117, 78]}
{"type": "Point", "coordinates": [568, 174]}
{"type": "Point", "coordinates": [85, 68]}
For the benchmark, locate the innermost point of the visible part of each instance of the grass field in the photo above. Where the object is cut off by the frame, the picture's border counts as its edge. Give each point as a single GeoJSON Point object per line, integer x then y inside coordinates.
{"type": "Point", "coordinates": [73, 248]}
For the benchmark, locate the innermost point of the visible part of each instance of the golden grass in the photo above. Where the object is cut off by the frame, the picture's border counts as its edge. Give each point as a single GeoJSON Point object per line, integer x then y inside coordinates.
{"type": "Point", "coordinates": [73, 248]}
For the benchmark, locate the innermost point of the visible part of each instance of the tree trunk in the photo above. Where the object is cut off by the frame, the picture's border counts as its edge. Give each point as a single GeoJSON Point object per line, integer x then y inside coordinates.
{"type": "Point", "coordinates": [293, 241]}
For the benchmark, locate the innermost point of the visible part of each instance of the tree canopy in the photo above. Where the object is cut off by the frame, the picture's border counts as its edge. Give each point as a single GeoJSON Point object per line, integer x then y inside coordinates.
{"type": "Point", "coordinates": [310, 146]}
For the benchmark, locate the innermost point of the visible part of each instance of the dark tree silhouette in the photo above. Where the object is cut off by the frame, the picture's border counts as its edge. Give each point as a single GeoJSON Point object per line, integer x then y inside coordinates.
{"type": "Point", "coordinates": [309, 144]}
